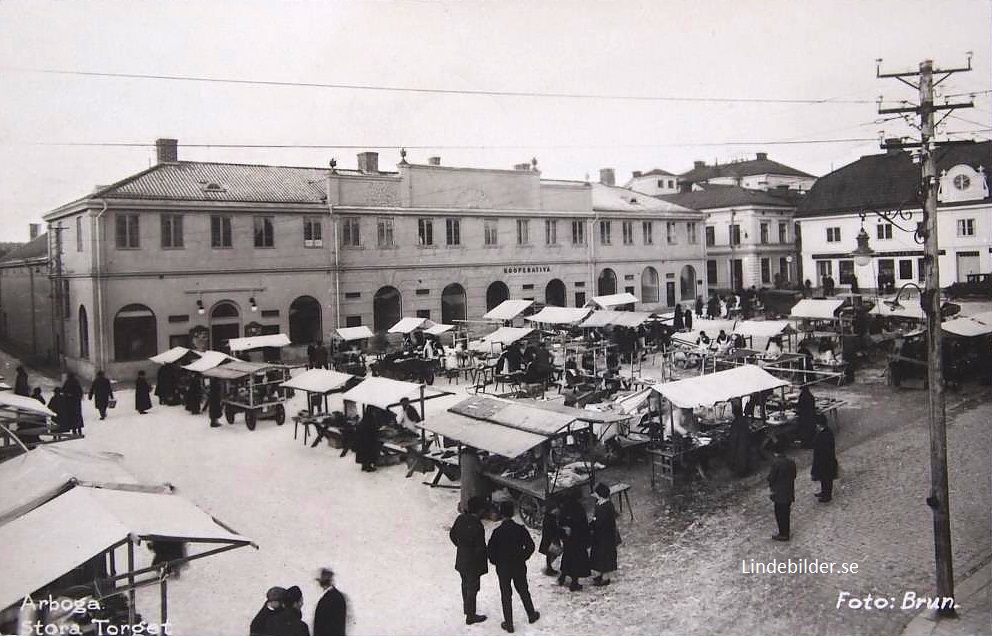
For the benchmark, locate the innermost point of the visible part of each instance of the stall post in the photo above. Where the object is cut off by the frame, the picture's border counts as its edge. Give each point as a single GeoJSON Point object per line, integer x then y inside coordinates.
{"type": "Point", "coordinates": [164, 596]}
{"type": "Point", "coordinates": [423, 431]}
{"type": "Point", "coordinates": [130, 580]}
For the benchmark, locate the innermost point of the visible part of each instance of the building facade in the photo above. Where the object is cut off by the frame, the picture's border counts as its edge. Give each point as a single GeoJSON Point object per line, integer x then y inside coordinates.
{"type": "Point", "coordinates": [654, 182]}
{"type": "Point", "coordinates": [27, 320]}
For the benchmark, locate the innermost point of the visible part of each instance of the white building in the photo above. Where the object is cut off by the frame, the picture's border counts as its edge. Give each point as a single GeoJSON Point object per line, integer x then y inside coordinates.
{"type": "Point", "coordinates": [654, 182]}
{"type": "Point", "coordinates": [760, 173]}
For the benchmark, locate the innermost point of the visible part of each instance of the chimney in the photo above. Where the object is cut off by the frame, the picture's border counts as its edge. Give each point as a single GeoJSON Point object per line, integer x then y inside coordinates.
{"type": "Point", "coordinates": [167, 150]}
{"type": "Point", "coordinates": [521, 166]}
{"type": "Point", "coordinates": [368, 162]}
{"type": "Point", "coordinates": [607, 176]}
{"type": "Point", "coordinates": [637, 173]}
{"type": "Point", "coordinates": [433, 161]}
{"type": "Point", "coordinates": [762, 156]}
{"type": "Point", "coordinates": [34, 229]}
{"type": "Point", "coordinates": [698, 164]}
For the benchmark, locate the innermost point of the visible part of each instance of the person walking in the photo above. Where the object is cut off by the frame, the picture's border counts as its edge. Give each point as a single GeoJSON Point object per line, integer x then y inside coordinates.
{"type": "Point", "coordinates": [824, 469]}
{"type": "Point", "coordinates": [142, 394]}
{"type": "Point", "coordinates": [469, 538]}
{"type": "Point", "coordinates": [72, 404]}
{"type": "Point", "coordinates": [509, 548]}
{"type": "Point", "coordinates": [605, 536]}
{"type": "Point", "coordinates": [266, 620]}
{"type": "Point", "coordinates": [550, 545]}
{"type": "Point", "coordinates": [575, 542]}
{"type": "Point", "coordinates": [782, 483]}
{"type": "Point", "coordinates": [215, 403]}
{"type": "Point", "coordinates": [21, 386]}
{"type": "Point", "coordinates": [331, 615]}
{"type": "Point", "coordinates": [101, 393]}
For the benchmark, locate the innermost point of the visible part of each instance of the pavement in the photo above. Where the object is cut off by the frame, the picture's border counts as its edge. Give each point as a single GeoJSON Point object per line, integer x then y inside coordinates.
{"type": "Point", "coordinates": [973, 597]}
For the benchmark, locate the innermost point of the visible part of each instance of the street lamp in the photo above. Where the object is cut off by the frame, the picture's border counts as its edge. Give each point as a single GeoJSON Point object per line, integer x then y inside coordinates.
{"type": "Point", "coordinates": [862, 253]}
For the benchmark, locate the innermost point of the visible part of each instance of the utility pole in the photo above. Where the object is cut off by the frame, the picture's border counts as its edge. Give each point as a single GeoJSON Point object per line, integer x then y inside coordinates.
{"type": "Point", "coordinates": [60, 289]}
{"type": "Point", "coordinates": [930, 300]}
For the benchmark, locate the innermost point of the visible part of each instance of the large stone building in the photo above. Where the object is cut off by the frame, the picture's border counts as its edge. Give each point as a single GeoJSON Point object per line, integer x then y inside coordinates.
{"type": "Point", "coordinates": [243, 249]}
{"type": "Point", "coordinates": [27, 314]}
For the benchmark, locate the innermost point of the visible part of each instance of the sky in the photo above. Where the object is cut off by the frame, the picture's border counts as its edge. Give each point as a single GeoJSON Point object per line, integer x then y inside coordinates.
{"type": "Point", "coordinates": [627, 85]}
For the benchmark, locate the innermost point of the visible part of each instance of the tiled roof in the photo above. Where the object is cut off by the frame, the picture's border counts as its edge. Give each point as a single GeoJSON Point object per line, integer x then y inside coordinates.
{"type": "Point", "coordinates": [36, 248]}
{"type": "Point", "coordinates": [727, 196]}
{"type": "Point", "coordinates": [741, 169]}
{"type": "Point", "coordinates": [885, 181]}
{"type": "Point", "coordinates": [617, 199]}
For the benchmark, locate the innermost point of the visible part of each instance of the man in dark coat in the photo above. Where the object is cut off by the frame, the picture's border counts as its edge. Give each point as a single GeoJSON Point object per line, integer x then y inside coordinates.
{"type": "Point", "coordinates": [806, 413]}
{"type": "Point", "coordinates": [165, 383]}
{"type": "Point", "coordinates": [824, 469]}
{"type": "Point", "coordinates": [289, 622]}
{"type": "Point", "coordinates": [331, 615]}
{"type": "Point", "coordinates": [469, 537]}
{"type": "Point", "coordinates": [21, 386]}
{"type": "Point", "coordinates": [739, 441]}
{"type": "Point", "coordinates": [142, 394]}
{"type": "Point", "coordinates": [101, 393]}
{"type": "Point", "coordinates": [678, 320]}
{"type": "Point", "coordinates": [215, 403]}
{"type": "Point", "coordinates": [194, 394]}
{"type": "Point", "coordinates": [267, 619]}
{"type": "Point", "coordinates": [603, 556]}
{"type": "Point", "coordinates": [550, 545]}
{"type": "Point", "coordinates": [509, 548]}
{"type": "Point", "coordinates": [575, 542]}
{"type": "Point", "coordinates": [72, 404]}
{"type": "Point", "coordinates": [688, 319]}
{"type": "Point", "coordinates": [55, 406]}
{"type": "Point", "coordinates": [782, 482]}
{"type": "Point", "coordinates": [366, 441]}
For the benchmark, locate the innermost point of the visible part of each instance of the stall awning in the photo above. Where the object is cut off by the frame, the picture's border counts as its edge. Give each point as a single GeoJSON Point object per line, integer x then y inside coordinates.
{"type": "Point", "coordinates": [237, 369]}
{"type": "Point", "coordinates": [438, 329]}
{"type": "Point", "coordinates": [208, 360]}
{"type": "Point", "coordinates": [503, 336]}
{"type": "Point", "coordinates": [559, 315]}
{"type": "Point", "coordinates": [495, 438]}
{"type": "Point", "coordinates": [507, 310]}
{"type": "Point", "coordinates": [86, 522]}
{"type": "Point", "coordinates": [514, 415]}
{"type": "Point", "coordinates": [406, 325]}
{"type": "Point", "coordinates": [612, 300]}
{"type": "Point", "coordinates": [354, 333]}
{"type": "Point", "coordinates": [911, 311]}
{"type": "Point", "coordinates": [707, 390]}
{"type": "Point", "coordinates": [256, 342]}
{"type": "Point", "coordinates": [970, 326]}
{"type": "Point", "coordinates": [383, 392]}
{"type": "Point", "coordinates": [816, 309]}
{"type": "Point", "coordinates": [20, 403]}
{"type": "Point", "coordinates": [763, 328]}
{"type": "Point", "coordinates": [606, 317]}
{"type": "Point", "coordinates": [711, 327]}
{"type": "Point", "coordinates": [318, 381]}
{"type": "Point", "coordinates": [172, 355]}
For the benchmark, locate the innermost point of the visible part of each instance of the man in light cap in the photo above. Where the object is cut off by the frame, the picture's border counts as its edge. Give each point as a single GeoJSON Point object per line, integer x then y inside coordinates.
{"type": "Point", "coordinates": [332, 608]}
{"type": "Point", "coordinates": [265, 621]}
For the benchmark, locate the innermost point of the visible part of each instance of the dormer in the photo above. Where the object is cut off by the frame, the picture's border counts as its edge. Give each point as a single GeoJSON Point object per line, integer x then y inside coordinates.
{"type": "Point", "coordinates": [963, 183]}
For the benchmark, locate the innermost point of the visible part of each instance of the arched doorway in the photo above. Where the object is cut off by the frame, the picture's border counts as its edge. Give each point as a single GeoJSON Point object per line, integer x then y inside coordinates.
{"type": "Point", "coordinates": [453, 304]}
{"type": "Point", "coordinates": [554, 293]}
{"type": "Point", "coordinates": [387, 308]}
{"type": "Point", "coordinates": [225, 323]}
{"type": "Point", "coordinates": [649, 285]}
{"type": "Point", "coordinates": [607, 283]}
{"type": "Point", "coordinates": [84, 334]}
{"type": "Point", "coordinates": [496, 293]}
{"type": "Point", "coordinates": [304, 320]}
{"type": "Point", "coordinates": [135, 333]}
{"type": "Point", "coordinates": [687, 283]}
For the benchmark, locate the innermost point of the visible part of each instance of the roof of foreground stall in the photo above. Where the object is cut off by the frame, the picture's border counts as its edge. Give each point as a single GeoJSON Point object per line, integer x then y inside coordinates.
{"type": "Point", "coordinates": [970, 326]}
{"type": "Point", "coordinates": [559, 315]}
{"type": "Point", "coordinates": [710, 389]}
{"type": "Point", "coordinates": [763, 328]}
{"type": "Point", "coordinates": [406, 325]}
{"type": "Point", "coordinates": [816, 308]}
{"type": "Point", "coordinates": [606, 317]}
{"type": "Point", "coordinates": [386, 392]}
{"type": "Point", "coordinates": [507, 310]}
{"type": "Point", "coordinates": [503, 336]}
{"type": "Point", "coordinates": [612, 300]}
{"type": "Point", "coordinates": [208, 360]}
{"type": "Point", "coordinates": [174, 354]}
{"type": "Point", "coordinates": [319, 381]}
{"type": "Point", "coordinates": [354, 333]}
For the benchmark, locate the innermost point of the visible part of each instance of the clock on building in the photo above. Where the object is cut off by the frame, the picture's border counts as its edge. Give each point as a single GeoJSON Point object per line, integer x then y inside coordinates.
{"type": "Point", "coordinates": [961, 182]}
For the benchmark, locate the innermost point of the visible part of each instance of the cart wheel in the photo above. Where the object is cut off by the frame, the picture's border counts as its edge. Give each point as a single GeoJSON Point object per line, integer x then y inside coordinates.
{"type": "Point", "coordinates": [531, 511]}
{"type": "Point", "coordinates": [229, 414]}
{"type": "Point", "coordinates": [250, 417]}
{"type": "Point", "coordinates": [280, 415]}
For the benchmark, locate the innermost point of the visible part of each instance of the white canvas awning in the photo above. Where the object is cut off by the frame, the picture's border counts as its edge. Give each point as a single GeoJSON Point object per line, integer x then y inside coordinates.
{"type": "Point", "coordinates": [495, 438]}
{"type": "Point", "coordinates": [816, 309]}
{"type": "Point", "coordinates": [763, 328]}
{"type": "Point", "coordinates": [318, 381]}
{"type": "Point", "coordinates": [172, 355]}
{"type": "Point", "coordinates": [383, 392]}
{"type": "Point", "coordinates": [12, 402]}
{"type": "Point", "coordinates": [406, 325]}
{"type": "Point", "coordinates": [503, 336]}
{"type": "Point", "coordinates": [208, 360]}
{"type": "Point", "coordinates": [910, 310]}
{"type": "Point", "coordinates": [559, 315]}
{"type": "Point", "coordinates": [970, 326]}
{"type": "Point", "coordinates": [707, 390]}
{"type": "Point", "coordinates": [612, 300]}
{"type": "Point", "coordinates": [438, 329]}
{"type": "Point", "coordinates": [606, 317]}
{"type": "Point", "coordinates": [507, 310]}
{"type": "Point", "coordinates": [256, 342]}
{"type": "Point", "coordinates": [514, 415]}
{"type": "Point", "coordinates": [354, 333]}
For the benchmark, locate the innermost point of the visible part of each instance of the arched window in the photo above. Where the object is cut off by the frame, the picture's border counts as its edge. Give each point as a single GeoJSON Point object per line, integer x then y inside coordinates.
{"type": "Point", "coordinates": [607, 283]}
{"type": "Point", "coordinates": [496, 293]}
{"type": "Point", "coordinates": [649, 285]}
{"type": "Point", "coordinates": [304, 320]}
{"type": "Point", "coordinates": [84, 334]}
{"type": "Point", "coordinates": [387, 308]}
{"type": "Point", "coordinates": [453, 304]}
{"type": "Point", "coordinates": [554, 293]}
{"type": "Point", "coordinates": [135, 333]}
{"type": "Point", "coordinates": [687, 283]}
{"type": "Point", "coordinates": [225, 323]}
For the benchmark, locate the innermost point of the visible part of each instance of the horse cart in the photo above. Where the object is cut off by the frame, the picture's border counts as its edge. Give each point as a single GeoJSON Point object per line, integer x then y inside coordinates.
{"type": "Point", "coordinates": [253, 388]}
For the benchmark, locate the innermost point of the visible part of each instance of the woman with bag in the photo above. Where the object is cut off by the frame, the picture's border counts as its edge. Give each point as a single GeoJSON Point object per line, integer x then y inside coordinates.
{"type": "Point", "coordinates": [550, 545]}
{"type": "Point", "coordinates": [605, 536]}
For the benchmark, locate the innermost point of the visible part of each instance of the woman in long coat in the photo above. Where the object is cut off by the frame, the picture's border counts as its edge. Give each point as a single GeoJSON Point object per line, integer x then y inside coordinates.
{"type": "Point", "coordinates": [142, 394]}
{"type": "Point", "coordinates": [603, 556]}
{"type": "Point", "coordinates": [739, 442]}
{"type": "Point", "coordinates": [575, 542]}
{"type": "Point", "coordinates": [824, 469]}
{"type": "Point", "coordinates": [806, 412]}
{"type": "Point", "coordinates": [367, 441]}
{"type": "Point", "coordinates": [72, 404]}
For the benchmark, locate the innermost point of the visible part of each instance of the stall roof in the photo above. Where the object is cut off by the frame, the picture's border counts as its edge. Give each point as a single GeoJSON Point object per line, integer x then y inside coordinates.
{"type": "Point", "coordinates": [255, 342]}
{"type": "Point", "coordinates": [816, 308]}
{"type": "Point", "coordinates": [711, 327]}
{"type": "Point", "coordinates": [581, 415]}
{"type": "Point", "coordinates": [237, 369]}
{"type": "Point", "coordinates": [707, 390]}
{"type": "Point", "coordinates": [384, 392]}
{"type": "Point", "coordinates": [612, 300]}
{"type": "Point", "coordinates": [559, 315]}
{"type": "Point", "coordinates": [495, 438]}
{"type": "Point", "coordinates": [318, 381]}
{"type": "Point", "coordinates": [208, 360]}
{"type": "Point", "coordinates": [970, 326]}
{"type": "Point", "coordinates": [912, 311]}
{"type": "Point", "coordinates": [514, 415]}
{"type": "Point", "coordinates": [503, 336]}
{"type": "Point", "coordinates": [11, 401]}
{"type": "Point", "coordinates": [507, 310]}
{"type": "Point", "coordinates": [604, 317]}
{"type": "Point", "coordinates": [406, 325]}
{"type": "Point", "coordinates": [763, 328]}
{"type": "Point", "coordinates": [86, 522]}
{"type": "Point", "coordinates": [354, 333]}
{"type": "Point", "coordinates": [438, 329]}
{"type": "Point", "coordinates": [172, 355]}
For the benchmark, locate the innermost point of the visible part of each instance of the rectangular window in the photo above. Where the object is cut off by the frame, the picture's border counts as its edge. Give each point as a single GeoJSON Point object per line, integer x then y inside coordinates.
{"type": "Point", "coordinates": [824, 268]}
{"type": "Point", "coordinates": [833, 235]}
{"type": "Point", "coordinates": [905, 269]}
{"type": "Point", "coordinates": [265, 231]}
{"type": "Point", "coordinates": [921, 274]}
{"type": "Point", "coordinates": [79, 233]}
{"type": "Point", "coordinates": [220, 231]}
{"type": "Point", "coordinates": [490, 237]}
{"type": "Point", "coordinates": [580, 299]}
{"type": "Point", "coordinates": [735, 234]}
{"type": "Point", "coordinates": [671, 183]}
{"type": "Point", "coordinates": [424, 313]}
{"type": "Point", "coordinates": [783, 268]}
{"type": "Point", "coordinates": [627, 228]}
{"type": "Point", "coordinates": [352, 295]}
{"type": "Point", "coordinates": [710, 236]}
{"type": "Point", "coordinates": [313, 234]}
{"type": "Point", "coordinates": [127, 232]}
{"type": "Point", "coordinates": [352, 321]}
{"type": "Point", "coordinates": [578, 233]}
{"type": "Point", "coordinates": [845, 272]}
{"type": "Point", "coordinates": [766, 271]}
{"type": "Point", "coordinates": [523, 232]}
{"type": "Point", "coordinates": [883, 231]}
{"type": "Point", "coordinates": [384, 231]}
{"type": "Point", "coordinates": [453, 231]}
{"type": "Point", "coordinates": [711, 272]}
{"type": "Point", "coordinates": [647, 229]}
{"type": "Point", "coordinates": [966, 227]}
{"type": "Point", "coordinates": [764, 233]}
{"type": "Point", "coordinates": [172, 231]}
{"type": "Point", "coordinates": [671, 232]}
{"type": "Point", "coordinates": [425, 232]}
{"type": "Point", "coordinates": [550, 232]}
{"type": "Point", "coordinates": [605, 232]}
{"type": "Point", "coordinates": [690, 230]}
{"type": "Point", "coordinates": [783, 232]}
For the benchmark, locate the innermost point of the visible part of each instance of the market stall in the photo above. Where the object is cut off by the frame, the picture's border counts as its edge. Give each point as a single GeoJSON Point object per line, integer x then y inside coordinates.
{"type": "Point", "coordinates": [349, 356]}
{"type": "Point", "coordinates": [26, 423]}
{"type": "Point", "coordinates": [559, 316]}
{"type": "Point", "coordinates": [506, 311]}
{"type": "Point", "coordinates": [612, 300]}
{"type": "Point", "coordinates": [254, 388]}
{"type": "Point", "coordinates": [263, 348]}
{"type": "Point", "coordinates": [817, 315]}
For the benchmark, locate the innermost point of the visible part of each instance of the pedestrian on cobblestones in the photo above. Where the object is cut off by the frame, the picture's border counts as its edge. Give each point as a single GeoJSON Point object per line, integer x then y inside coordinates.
{"type": "Point", "coordinates": [605, 537]}
{"type": "Point", "coordinates": [101, 393]}
{"type": "Point", "coordinates": [782, 482]}
{"type": "Point", "coordinates": [824, 469]}
{"type": "Point", "coordinates": [469, 537]}
{"type": "Point", "coordinates": [72, 404]}
{"type": "Point", "coordinates": [575, 542]}
{"type": "Point", "coordinates": [510, 545]}
{"type": "Point", "coordinates": [142, 394]}
{"type": "Point", "coordinates": [21, 386]}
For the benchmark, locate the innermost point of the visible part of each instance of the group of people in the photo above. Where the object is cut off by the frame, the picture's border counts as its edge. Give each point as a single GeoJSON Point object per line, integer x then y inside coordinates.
{"type": "Point", "coordinates": [282, 613]}
{"type": "Point", "coordinates": [533, 363]}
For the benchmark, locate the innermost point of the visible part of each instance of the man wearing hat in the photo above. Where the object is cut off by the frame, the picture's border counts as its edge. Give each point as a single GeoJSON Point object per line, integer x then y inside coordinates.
{"type": "Point", "coordinates": [469, 538]}
{"type": "Point", "coordinates": [781, 482]}
{"type": "Point", "coordinates": [332, 608]}
{"type": "Point", "coordinates": [290, 620]}
{"type": "Point", "coordinates": [265, 621]}
{"type": "Point", "coordinates": [509, 548]}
